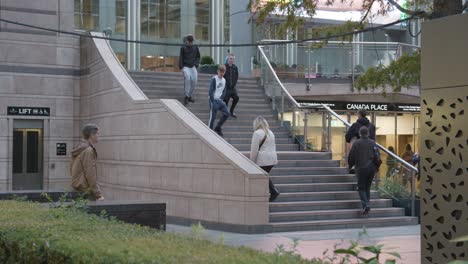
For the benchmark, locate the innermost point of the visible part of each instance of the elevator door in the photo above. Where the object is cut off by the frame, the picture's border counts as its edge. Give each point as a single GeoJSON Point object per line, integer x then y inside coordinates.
{"type": "Point", "coordinates": [27, 155]}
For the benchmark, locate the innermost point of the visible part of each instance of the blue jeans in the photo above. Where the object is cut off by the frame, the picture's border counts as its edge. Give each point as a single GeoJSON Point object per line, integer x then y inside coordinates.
{"type": "Point", "coordinates": [215, 106]}
{"type": "Point", "coordinates": [190, 80]}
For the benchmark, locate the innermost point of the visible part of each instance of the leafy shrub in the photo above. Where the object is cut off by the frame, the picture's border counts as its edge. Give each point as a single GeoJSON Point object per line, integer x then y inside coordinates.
{"type": "Point", "coordinates": [206, 60]}
{"type": "Point", "coordinates": [33, 233]}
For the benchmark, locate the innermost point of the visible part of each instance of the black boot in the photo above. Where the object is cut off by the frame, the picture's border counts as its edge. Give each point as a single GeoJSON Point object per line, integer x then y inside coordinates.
{"type": "Point", "coordinates": [186, 100]}
{"type": "Point", "coordinates": [190, 99]}
{"type": "Point", "coordinates": [219, 131]}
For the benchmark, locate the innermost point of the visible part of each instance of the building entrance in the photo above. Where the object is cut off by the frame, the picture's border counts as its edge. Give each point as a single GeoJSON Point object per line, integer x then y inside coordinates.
{"type": "Point", "coordinates": [27, 155]}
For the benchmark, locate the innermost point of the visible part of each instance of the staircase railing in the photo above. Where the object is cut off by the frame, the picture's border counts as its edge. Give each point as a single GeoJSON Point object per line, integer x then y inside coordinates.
{"type": "Point", "coordinates": [283, 101]}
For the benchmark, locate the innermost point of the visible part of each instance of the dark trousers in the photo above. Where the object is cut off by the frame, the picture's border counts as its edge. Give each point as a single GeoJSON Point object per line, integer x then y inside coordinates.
{"type": "Point", "coordinates": [215, 106]}
{"type": "Point", "coordinates": [271, 186]}
{"type": "Point", "coordinates": [364, 182]}
{"type": "Point", "coordinates": [231, 93]}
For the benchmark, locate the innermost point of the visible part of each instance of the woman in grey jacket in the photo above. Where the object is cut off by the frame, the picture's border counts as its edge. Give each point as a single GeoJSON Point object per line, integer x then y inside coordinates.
{"type": "Point", "coordinates": [263, 150]}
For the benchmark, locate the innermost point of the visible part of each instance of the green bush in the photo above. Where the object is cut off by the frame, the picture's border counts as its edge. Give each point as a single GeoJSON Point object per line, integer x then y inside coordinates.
{"type": "Point", "coordinates": [32, 233]}
{"type": "Point", "coordinates": [206, 60]}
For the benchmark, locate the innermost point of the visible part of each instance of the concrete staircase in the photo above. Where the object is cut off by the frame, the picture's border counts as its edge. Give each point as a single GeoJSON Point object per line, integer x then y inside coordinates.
{"type": "Point", "coordinates": [316, 193]}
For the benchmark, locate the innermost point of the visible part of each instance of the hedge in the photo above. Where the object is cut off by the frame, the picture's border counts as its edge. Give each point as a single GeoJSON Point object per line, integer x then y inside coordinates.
{"type": "Point", "coordinates": [32, 233]}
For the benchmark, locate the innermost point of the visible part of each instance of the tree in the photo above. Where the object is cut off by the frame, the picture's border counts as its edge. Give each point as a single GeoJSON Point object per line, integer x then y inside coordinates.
{"type": "Point", "coordinates": [404, 72]}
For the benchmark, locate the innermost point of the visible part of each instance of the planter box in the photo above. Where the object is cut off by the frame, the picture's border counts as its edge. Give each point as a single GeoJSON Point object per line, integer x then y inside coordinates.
{"type": "Point", "coordinates": [406, 203]}
{"type": "Point", "coordinates": [209, 68]}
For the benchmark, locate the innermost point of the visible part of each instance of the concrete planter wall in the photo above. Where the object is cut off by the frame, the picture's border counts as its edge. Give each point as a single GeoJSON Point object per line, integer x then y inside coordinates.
{"type": "Point", "coordinates": [157, 150]}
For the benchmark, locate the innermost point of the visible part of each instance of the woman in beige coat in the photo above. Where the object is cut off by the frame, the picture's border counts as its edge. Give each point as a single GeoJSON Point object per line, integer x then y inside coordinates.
{"type": "Point", "coordinates": [263, 150]}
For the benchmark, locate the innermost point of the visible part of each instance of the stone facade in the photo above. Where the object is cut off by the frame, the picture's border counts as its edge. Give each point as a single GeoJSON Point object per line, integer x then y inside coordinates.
{"type": "Point", "coordinates": [39, 69]}
{"type": "Point", "coordinates": [159, 151]}
{"type": "Point", "coordinates": [444, 154]}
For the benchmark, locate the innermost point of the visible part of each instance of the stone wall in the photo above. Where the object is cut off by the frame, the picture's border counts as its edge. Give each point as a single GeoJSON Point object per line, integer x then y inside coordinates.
{"type": "Point", "coordinates": [159, 151]}
{"type": "Point", "coordinates": [39, 69]}
{"type": "Point", "coordinates": [444, 163]}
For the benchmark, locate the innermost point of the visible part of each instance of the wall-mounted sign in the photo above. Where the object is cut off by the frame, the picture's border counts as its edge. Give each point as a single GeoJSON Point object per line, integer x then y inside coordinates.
{"type": "Point", "coordinates": [371, 107]}
{"type": "Point", "coordinates": [28, 111]}
{"type": "Point", "coordinates": [61, 149]}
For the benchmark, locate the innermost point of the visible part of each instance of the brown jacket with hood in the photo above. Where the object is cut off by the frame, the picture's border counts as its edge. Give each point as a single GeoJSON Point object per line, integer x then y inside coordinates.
{"type": "Point", "coordinates": [83, 169]}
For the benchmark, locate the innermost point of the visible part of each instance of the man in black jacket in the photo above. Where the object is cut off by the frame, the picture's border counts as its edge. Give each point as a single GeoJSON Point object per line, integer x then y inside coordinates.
{"type": "Point", "coordinates": [361, 156]}
{"type": "Point", "coordinates": [231, 76]}
{"type": "Point", "coordinates": [353, 132]}
{"type": "Point", "coordinates": [189, 59]}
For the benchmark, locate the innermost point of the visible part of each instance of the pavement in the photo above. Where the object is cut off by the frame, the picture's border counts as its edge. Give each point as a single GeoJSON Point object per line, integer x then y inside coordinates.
{"type": "Point", "coordinates": [404, 240]}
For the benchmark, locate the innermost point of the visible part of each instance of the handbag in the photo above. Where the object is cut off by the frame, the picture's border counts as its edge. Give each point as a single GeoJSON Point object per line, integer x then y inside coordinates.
{"type": "Point", "coordinates": [376, 158]}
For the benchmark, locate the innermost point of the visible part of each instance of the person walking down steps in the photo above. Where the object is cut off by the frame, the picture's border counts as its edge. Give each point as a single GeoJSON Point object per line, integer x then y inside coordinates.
{"type": "Point", "coordinates": [217, 93]}
{"type": "Point", "coordinates": [189, 59]}
{"type": "Point", "coordinates": [263, 151]}
{"type": "Point", "coordinates": [231, 77]}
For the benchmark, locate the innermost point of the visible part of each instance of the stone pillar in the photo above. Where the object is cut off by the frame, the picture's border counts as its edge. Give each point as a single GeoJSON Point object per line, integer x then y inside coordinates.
{"type": "Point", "coordinates": [133, 32]}
{"type": "Point", "coordinates": [444, 139]}
{"type": "Point", "coordinates": [217, 29]}
{"type": "Point", "coordinates": [241, 32]}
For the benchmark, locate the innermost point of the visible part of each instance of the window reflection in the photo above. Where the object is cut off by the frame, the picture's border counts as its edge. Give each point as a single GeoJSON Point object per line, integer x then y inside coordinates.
{"type": "Point", "coordinates": [160, 18]}
{"type": "Point", "coordinates": [87, 14]}
{"type": "Point", "coordinates": [202, 19]}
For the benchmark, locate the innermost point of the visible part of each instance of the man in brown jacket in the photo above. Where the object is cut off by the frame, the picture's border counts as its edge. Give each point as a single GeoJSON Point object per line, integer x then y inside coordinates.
{"type": "Point", "coordinates": [83, 164]}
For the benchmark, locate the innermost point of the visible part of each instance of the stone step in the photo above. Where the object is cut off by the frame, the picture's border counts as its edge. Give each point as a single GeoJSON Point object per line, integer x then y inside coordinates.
{"type": "Point", "coordinates": [279, 147]}
{"type": "Point", "coordinates": [316, 187]}
{"type": "Point", "coordinates": [343, 223]}
{"type": "Point", "coordinates": [234, 128]}
{"type": "Point", "coordinates": [308, 170]}
{"type": "Point", "coordinates": [291, 216]}
{"type": "Point", "coordinates": [312, 179]}
{"type": "Point", "coordinates": [202, 95]}
{"type": "Point", "coordinates": [325, 205]}
{"type": "Point", "coordinates": [308, 163]}
{"type": "Point", "coordinates": [158, 75]}
{"type": "Point", "coordinates": [244, 134]}
{"type": "Point", "coordinates": [301, 155]}
{"type": "Point", "coordinates": [248, 140]}
{"type": "Point", "coordinates": [322, 196]}
{"type": "Point", "coordinates": [180, 77]}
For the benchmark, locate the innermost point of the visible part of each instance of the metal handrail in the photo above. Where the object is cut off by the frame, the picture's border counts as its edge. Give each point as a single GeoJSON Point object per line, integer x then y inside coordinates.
{"type": "Point", "coordinates": [283, 89]}
{"type": "Point", "coordinates": [412, 168]}
{"type": "Point", "coordinates": [329, 110]}
{"type": "Point", "coordinates": [347, 42]}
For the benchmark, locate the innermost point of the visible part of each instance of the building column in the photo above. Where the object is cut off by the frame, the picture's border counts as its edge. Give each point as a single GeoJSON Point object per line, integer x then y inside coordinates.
{"type": "Point", "coordinates": [133, 32]}
{"type": "Point", "coordinates": [217, 29]}
{"type": "Point", "coordinates": [107, 15]}
{"type": "Point", "coordinates": [187, 18]}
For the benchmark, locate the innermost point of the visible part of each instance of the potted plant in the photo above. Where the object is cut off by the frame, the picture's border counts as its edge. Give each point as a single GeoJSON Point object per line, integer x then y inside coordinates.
{"type": "Point", "coordinates": [207, 65]}
{"type": "Point", "coordinates": [392, 188]}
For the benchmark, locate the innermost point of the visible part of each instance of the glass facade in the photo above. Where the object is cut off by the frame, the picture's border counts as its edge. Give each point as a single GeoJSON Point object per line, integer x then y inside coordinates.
{"type": "Point", "coordinates": [159, 20]}
{"type": "Point", "coordinates": [87, 14]}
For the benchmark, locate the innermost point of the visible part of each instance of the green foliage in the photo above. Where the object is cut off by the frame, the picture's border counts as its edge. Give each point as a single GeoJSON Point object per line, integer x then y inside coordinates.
{"type": "Point", "coordinates": [404, 72]}
{"type": "Point", "coordinates": [206, 60]}
{"type": "Point", "coordinates": [32, 233]}
{"type": "Point", "coordinates": [354, 253]}
{"type": "Point", "coordinates": [391, 187]}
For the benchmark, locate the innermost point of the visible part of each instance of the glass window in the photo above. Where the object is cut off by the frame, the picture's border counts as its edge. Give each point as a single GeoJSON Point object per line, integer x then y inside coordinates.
{"type": "Point", "coordinates": [160, 18]}
{"type": "Point", "coordinates": [202, 20]}
{"type": "Point", "coordinates": [227, 20]}
{"type": "Point", "coordinates": [87, 14]}
{"type": "Point", "coordinates": [120, 16]}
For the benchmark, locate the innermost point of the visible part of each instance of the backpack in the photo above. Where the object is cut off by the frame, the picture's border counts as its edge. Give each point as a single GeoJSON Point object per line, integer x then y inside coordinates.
{"type": "Point", "coordinates": [376, 158]}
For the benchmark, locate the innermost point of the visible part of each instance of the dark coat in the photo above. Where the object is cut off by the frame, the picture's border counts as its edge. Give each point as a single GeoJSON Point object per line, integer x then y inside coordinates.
{"type": "Point", "coordinates": [231, 76]}
{"type": "Point", "coordinates": [362, 153]}
{"type": "Point", "coordinates": [189, 56]}
{"type": "Point", "coordinates": [353, 131]}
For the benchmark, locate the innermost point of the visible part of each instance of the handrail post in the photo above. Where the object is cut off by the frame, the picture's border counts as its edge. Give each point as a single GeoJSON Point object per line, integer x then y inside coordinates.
{"type": "Point", "coordinates": [282, 108]}
{"type": "Point", "coordinates": [305, 130]}
{"type": "Point", "coordinates": [413, 193]}
{"type": "Point", "coordinates": [324, 131]}
{"type": "Point", "coordinates": [293, 125]}
{"type": "Point", "coordinates": [329, 132]}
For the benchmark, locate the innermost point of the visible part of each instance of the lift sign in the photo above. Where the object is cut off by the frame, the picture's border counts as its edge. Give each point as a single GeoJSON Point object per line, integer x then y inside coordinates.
{"type": "Point", "coordinates": [28, 111]}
